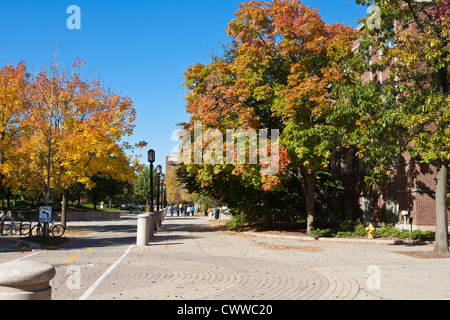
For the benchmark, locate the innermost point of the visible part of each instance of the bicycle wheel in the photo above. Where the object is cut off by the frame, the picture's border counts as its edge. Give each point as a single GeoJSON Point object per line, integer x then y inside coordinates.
{"type": "Point", "coordinates": [25, 229]}
{"type": "Point", "coordinates": [6, 229]}
{"type": "Point", "coordinates": [37, 230]}
{"type": "Point", "coordinates": [58, 230]}
{"type": "Point", "coordinates": [15, 227]}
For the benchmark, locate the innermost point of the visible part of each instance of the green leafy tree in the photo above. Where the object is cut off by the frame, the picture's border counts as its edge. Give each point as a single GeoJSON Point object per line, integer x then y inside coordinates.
{"type": "Point", "coordinates": [409, 110]}
{"type": "Point", "coordinates": [142, 185]}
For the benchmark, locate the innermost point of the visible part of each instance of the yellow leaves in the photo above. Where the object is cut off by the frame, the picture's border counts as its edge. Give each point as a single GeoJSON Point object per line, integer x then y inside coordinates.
{"type": "Point", "coordinates": [62, 128]}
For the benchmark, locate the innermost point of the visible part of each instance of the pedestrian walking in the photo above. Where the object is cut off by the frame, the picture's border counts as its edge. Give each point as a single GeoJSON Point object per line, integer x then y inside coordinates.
{"type": "Point", "coordinates": [172, 210]}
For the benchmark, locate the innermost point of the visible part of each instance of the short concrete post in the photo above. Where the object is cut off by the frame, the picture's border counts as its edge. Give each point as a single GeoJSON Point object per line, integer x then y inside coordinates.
{"type": "Point", "coordinates": [161, 217]}
{"type": "Point", "coordinates": [151, 229]}
{"type": "Point", "coordinates": [26, 280]}
{"type": "Point", "coordinates": [143, 227]}
{"type": "Point", "coordinates": [155, 222]}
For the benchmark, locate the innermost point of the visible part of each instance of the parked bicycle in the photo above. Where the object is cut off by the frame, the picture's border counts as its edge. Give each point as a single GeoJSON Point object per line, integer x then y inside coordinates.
{"type": "Point", "coordinates": [48, 228]}
{"type": "Point", "coordinates": [25, 227]}
{"type": "Point", "coordinates": [13, 227]}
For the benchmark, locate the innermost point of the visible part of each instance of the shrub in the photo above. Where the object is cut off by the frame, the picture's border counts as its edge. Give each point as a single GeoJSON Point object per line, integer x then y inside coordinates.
{"type": "Point", "coordinates": [360, 230]}
{"type": "Point", "coordinates": [348, 225]}
{"type": "Point", "coordinates": [235, 222]}
{"type": "Point", "coordinates": [417, 234]}
{"type": "Point", "coordinates": [323, 232]}
{"type": "Point", "coordinates": [343, 234]}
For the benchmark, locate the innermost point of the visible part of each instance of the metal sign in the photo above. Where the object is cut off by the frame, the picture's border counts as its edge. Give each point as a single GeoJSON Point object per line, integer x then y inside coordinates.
{"type": "Point", "coordinates": [45, 214]}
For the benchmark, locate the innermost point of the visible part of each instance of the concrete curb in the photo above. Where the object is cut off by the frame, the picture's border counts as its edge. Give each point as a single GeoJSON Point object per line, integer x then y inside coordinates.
{"type": "Point", "coordinates": [32, 245]}
{"type": "Point", "coordinates": [341, 240]}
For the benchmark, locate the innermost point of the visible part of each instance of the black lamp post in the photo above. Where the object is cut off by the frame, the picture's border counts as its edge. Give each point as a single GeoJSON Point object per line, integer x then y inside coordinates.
{"type": "Point", "coordinates": [158, 173]}
{"type": "Point", "coordinates": [151, 159]}
{"type": "Point", "coordinates": [162, 190]}
{"type": "Point", "coordinates": [165, 196]}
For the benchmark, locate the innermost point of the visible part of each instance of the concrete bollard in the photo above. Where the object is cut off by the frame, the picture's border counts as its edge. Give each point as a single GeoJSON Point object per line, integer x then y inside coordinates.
{"type": "Point", "coordinates": [26, 280]}
{"type": "Point", "coordinates": [155, 222]}
{"type": "Point", "coordinates": [143, 227]}
{"type": "Point", "coordinates": [151, 229]}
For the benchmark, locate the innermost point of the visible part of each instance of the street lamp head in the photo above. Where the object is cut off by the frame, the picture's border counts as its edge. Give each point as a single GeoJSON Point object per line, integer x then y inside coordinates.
{"type": "Point", "coordinates": [163, 176]}
{"type": "Point", "coordinates": [151, 155]}
{"type": "Point", "coordinates": [158, 169]}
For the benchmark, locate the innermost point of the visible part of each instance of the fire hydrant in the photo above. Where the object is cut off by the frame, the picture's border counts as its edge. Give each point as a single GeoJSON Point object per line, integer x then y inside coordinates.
{"type": "Point", "coordinates": [370, 230]}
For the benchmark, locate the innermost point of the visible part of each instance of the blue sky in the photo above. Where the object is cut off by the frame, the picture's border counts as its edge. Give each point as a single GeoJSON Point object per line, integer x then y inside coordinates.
{"type": "Point", "coordinates": [138, 48]}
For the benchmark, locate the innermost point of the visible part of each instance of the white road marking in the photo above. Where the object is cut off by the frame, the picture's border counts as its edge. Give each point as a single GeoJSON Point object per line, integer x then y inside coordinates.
{"type": "Point", "coordinates": [103, 276]}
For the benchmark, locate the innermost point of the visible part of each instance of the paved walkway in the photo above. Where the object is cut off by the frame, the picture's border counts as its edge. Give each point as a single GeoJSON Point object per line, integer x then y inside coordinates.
{"type": "Point", "coordinates": [190, 260]}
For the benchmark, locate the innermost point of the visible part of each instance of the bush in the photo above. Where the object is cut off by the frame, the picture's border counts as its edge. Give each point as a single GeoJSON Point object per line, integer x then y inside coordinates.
{"type": "Point", "coordinates": [323, 233]}
{"type": "Point", "coordinates": [360, 230]}
{"type": "Point", "coordinates": [343, 234]}
{"type": "Point", "coordinates": [425, 235]}
{"type": "Point", "coordinates": [348, 225]}
{"type": "Point", "coordinates": [235, 222]}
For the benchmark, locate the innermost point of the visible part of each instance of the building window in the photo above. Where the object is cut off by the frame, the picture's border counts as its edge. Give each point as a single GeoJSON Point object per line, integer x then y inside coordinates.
{"type": "Point", "coordinates": [367, 209]}
{"type": "Point", "coordinates": [347, 160]}
{"type": "Point", "coordinates": [361, 165]}
{"type": "Point", "coordinates": [348, 209]}
{"type": "Point", "coordinates": [391, 205]}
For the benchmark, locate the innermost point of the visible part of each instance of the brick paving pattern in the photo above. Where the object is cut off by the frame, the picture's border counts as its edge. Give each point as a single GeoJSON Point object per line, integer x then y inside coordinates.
{"type": "Point", "coordinates": [189, 260]}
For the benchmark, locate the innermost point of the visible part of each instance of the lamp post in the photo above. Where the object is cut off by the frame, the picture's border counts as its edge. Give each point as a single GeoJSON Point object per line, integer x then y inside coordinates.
{"type": "Point", "coordinates": [165, 196]}
{"type": "Point", "coordinates": [151, 159]}
{"type": "Point", "coordinates": [158, 173]}
{"type": "Point", "coordinates": [162, 190]}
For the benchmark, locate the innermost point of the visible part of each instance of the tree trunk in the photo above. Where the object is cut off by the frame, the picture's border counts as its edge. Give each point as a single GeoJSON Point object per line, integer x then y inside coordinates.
{"type": "Point", "coordinates": [309, 194]}
{"type": "Point", "coordinates": [441, 240]}
{"type": "Point", "coordinates": [64, 208]}
{"type": "Point", "coordinates": [94, 199]}
{"type": "Point", "coordinates": [308, 183]}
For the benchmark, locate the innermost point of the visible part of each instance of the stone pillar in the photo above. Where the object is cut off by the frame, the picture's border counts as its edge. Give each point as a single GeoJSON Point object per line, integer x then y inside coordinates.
{"type": "Point", "coordinates": [26, 280]}
{"type": "Point", "coordinates": [143, 227]}
{"type": "Point", "coordinates": [151, 228]}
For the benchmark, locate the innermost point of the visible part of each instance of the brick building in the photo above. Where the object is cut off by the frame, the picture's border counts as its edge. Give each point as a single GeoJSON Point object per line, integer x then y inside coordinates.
{"type": "Point", "coordinates": [411, 188]}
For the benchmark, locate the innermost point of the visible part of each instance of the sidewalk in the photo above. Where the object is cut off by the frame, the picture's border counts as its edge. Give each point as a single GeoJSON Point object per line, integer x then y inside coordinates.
{"type": "Point", "coordinates": [188, 259]}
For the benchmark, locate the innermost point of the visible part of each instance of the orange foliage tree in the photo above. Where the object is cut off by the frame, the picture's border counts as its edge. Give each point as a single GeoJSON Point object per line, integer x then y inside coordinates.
{"type": "Point", "coordinates": [278, 73]}
{"type": "Point", "coordinates": [13, 81]}
{"type": "Point", "coordinates": [70, 130]}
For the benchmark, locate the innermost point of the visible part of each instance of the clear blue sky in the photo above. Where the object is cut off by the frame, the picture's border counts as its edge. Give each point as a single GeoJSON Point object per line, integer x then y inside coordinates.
{"type": "Point", "coordinates": [138, 48]}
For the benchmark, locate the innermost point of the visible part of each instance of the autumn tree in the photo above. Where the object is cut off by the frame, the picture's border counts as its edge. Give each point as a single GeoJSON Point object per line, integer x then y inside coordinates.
{"type": "Point", "coordinates": [13, 81]}
{"type": "Point", "coordinates": [176, 192]}
{"type": "Point", "coordinates": [71, 130]}
{"type": "Point", "coordinates": [278, 73]}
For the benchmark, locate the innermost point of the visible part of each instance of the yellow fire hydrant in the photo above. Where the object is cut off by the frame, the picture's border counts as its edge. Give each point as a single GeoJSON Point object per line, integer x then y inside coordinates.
{"type": "Point", "coordinates": [370, 230]}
